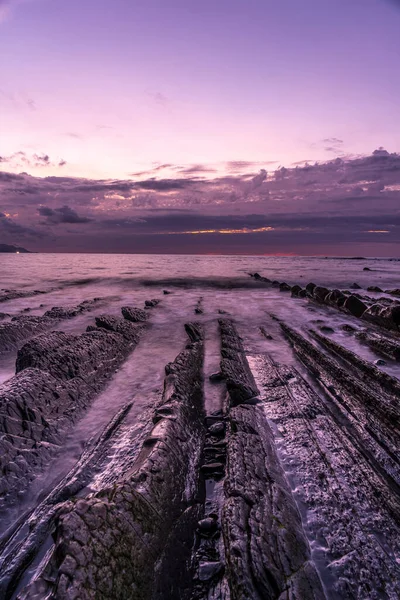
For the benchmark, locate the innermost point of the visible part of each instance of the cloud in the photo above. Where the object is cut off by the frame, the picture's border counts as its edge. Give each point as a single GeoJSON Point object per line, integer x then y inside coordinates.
{"type": "Point", "coordinates": [65, 214]}
{"type": "Point", "coordinates": [165, 184]}
{"type": "Point", "coordinates": [76, 136]}
{"type": "Point", "coordinates": [21, 160]}
{"type": "Point", "coordinates": [338, 201]}
{"type": "Point", "coordinates": [9, 229]}
{"type": "Point", "coordinates": [333, 145]}
{"type": "Point", "coordinates": [158, 98]}
{"type": "Point", "coordinates": [18, 100]}
{"type": "Point", "coordinates": [193, 169]}
{"type": "Point", "coordinates": [333, 140]}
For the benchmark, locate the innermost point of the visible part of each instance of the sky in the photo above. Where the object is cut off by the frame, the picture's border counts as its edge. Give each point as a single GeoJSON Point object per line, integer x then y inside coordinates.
{"type": "Point", "coordinates": [224, 126]}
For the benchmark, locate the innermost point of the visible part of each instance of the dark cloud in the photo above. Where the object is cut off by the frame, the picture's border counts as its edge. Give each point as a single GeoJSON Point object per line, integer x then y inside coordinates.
{"type": "Point", "coordinates": [65, 214]}
{"type": "Point", "coordinates": [9, 229]}
{"type": "Point", "coordinates": [165, 184]}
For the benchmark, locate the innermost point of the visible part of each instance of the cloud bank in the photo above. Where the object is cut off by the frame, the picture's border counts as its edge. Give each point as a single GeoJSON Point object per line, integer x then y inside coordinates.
{"type": "Point", "coordinates": [342, 207]}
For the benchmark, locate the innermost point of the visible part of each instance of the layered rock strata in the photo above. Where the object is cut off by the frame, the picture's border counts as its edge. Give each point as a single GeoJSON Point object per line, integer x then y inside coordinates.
{"type": "Point", "coordinates": [123, 541]}
{"type": "Point", "coordinates": [22, 327]}
{"type": "Point", "coordinates": [58, 375]}
{"type": "Point", "coordinates": [267, 555]}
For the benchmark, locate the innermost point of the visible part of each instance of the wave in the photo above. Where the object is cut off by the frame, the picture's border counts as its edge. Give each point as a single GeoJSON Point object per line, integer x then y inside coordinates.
{"type": "Point", "coordinates": [177, 282]}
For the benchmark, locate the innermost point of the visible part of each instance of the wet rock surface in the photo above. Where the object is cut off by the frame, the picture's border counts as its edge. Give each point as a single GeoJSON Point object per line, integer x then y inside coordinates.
{"type": "Point", "coordinates": [24, 327]}
{"type": "Point", "coordinates": [266, 551]}
{"type": "Point", "coordinates": [6, 295]}
{"type": "Point", "coordinates": [287, 488]}
{"type": "Point", "coordinates": [117, 543]}
{"type": "Point", "coordinates": [57, 375]}
{"type": "Point", "coordinates": [234, 367]}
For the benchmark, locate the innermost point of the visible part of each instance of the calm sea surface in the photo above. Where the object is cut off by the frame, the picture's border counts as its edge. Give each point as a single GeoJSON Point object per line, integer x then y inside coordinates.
{"type": "Point", "coordinates": [46, 271]}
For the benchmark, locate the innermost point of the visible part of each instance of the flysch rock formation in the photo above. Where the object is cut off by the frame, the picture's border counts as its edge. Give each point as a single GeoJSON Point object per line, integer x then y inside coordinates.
{"type": "Point", "coordinates": [119, 542]}
{"type": "Point", "coordinates": [289, 490]}
{"type": "Point", "coordinates": [57, 375]}
{"type": "Point", "coordinates": [23, 327]}
{"type": "Point", "coordinates": [266, 550]}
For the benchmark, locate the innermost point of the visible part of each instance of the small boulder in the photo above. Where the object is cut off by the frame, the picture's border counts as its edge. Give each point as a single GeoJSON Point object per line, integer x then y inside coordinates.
{"type": "Point", "coordinates": [355, 286]}
{"type": "Point", "coordinates": [133, 314]}
{"type": "Point", "coordinates": [284, 287]}
{"type": "Point", "coordinates": [295, 290]}
{"type": "Point", "coordinates": [310, 287]}
{"type": "Point", "coordinates": [151, 303]}
{"type": "Point", "coordinates": [355, 306]}
{"type": "Point", "coordinates": [217, 429]}
{"type": "Point", "coordinates": [380, 362]}
{"type": "Point", "coordinates": [208, 525]}
{"type": "Point", "coordinates": [334, 297]}
{"type": "Point", "coordinates": [208, 570]}
{"type": "Point", "coordinates": [320, 293]}
{"type": "Point", "coordinates": [216, 377]}
{"type": "Point", "coordinates": [374, 288]}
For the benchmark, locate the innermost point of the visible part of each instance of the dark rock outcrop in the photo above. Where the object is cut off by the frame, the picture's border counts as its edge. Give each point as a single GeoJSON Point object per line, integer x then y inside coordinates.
{"type": "Point", "coordinates": [58, 374]}
{"type": "Point", "coordinates": [266, 551]}
{"type": "Point", "coordinates": [23, 327]}
{"type": "Point", "coordinates": [296, 289]}
{"type": "Point", "coordinates": [355, 306]}
{"type": "Point", "coordinates": [7, 295]}
{"type": "Point", "coordinates": [310, 288]}
{"type": "Point", "coordinates": [384, 316]}
{"type": "Point", "coordinates": [234, 367]}
{"type": "Point", "coordinates": [320, 293]}
{"type": "Point", "coordinates": [335, 298]}
{"type": "Point", "coordinates": [380, 344]}
{"type": "Point", "coordinates": [258, 277]}
{"type": "Point", "coordinates": [120, 542]}
{"type": "Point", "coordinates": [136, 315]}
{"type": "Point", "coordinates": [151, 303]}
{"type": "Point", "coordinates": [327, 454]}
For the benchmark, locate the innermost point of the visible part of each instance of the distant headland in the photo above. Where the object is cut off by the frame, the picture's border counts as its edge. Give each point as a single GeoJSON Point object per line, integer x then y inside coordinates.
{"type": "Point", "coordinates": [14, 249]}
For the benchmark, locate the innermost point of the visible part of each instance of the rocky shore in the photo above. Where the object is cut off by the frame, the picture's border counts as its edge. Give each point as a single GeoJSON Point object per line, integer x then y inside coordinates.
{"type": "Point", "coordinates": [288, 488]}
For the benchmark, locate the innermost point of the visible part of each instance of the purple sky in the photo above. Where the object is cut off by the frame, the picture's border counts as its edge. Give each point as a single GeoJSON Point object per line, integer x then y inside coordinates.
{"type": "Point", "coordinates": [202, 98]}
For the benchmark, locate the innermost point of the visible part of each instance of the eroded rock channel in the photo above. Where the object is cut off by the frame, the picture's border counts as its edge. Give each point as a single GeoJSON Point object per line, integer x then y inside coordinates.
{"type": "Point", "coordinates": [241, 476]}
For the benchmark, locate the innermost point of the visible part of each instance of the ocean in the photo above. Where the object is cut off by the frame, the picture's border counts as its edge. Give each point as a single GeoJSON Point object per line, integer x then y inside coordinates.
{"type": "Point", "coordinates": [60, 270]}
